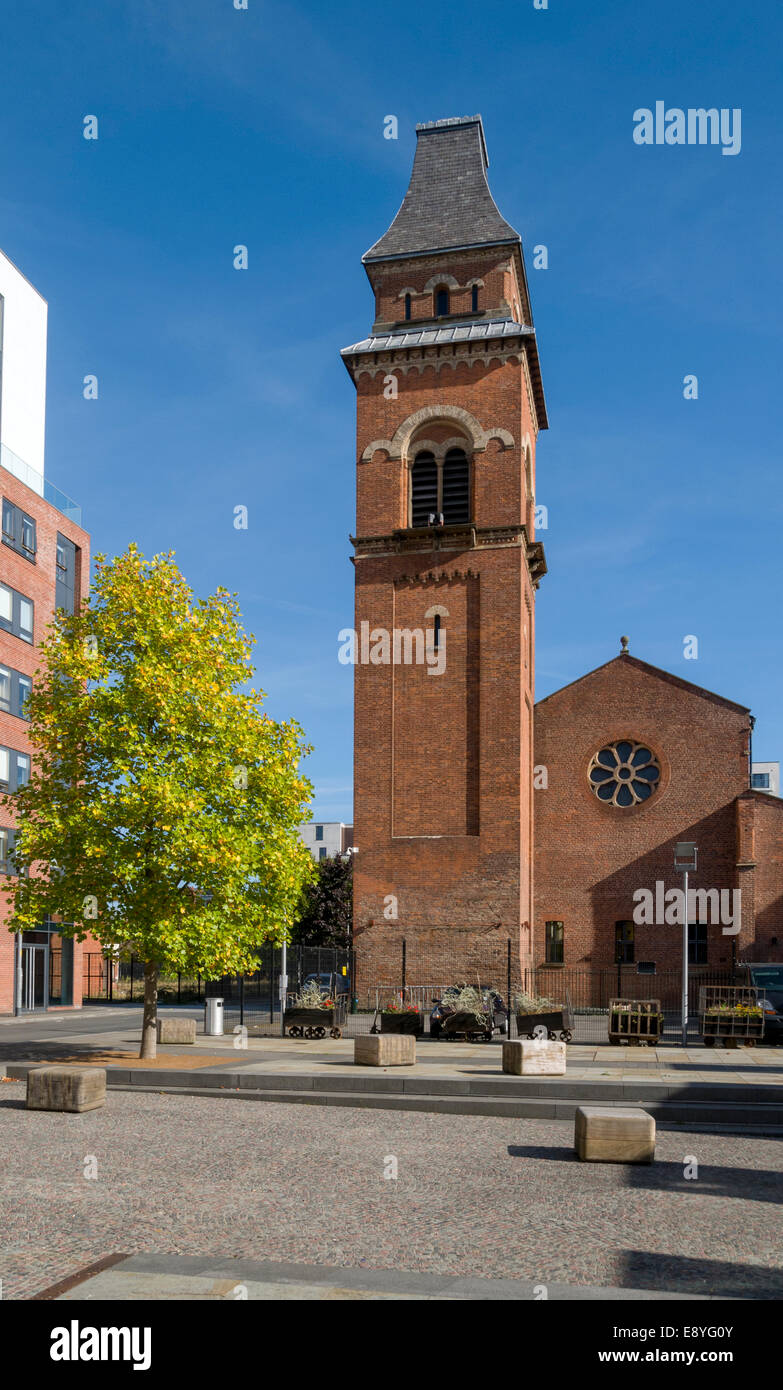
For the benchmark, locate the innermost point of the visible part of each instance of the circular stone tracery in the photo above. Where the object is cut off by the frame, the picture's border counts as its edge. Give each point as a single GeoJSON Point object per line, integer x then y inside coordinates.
{"type": "Point", "coordinates": [624, 773]}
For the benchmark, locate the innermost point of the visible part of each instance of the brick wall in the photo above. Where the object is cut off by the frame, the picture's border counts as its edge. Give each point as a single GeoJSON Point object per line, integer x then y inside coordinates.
{"type": "Point", "coordinates": [442, 764]}
{"type": "Point", "coordinates": [589, 857]}
{"type": "Point", "coordinates": [35, 581]}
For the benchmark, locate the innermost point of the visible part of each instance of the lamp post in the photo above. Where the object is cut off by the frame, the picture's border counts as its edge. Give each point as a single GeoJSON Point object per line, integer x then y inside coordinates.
{"type": "Point", "coordinates": [346, 857]}
{"type": "Point", "coordinates": [685, 858]}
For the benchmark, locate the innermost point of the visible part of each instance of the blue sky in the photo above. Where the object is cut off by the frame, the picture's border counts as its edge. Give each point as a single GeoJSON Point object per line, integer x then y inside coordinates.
{"type": "Point", "coordinates": [220, 388]}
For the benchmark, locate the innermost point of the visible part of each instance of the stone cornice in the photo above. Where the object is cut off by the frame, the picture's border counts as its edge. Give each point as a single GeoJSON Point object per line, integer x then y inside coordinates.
{"type": "Point", "coordinates": [428, 540]}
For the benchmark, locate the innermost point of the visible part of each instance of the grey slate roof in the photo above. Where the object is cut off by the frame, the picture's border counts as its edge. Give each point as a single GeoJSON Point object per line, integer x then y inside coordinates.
{"type": "Point", "coordinates": [448, 203]}
{"type": "Point", "coordinates": [429, 337]}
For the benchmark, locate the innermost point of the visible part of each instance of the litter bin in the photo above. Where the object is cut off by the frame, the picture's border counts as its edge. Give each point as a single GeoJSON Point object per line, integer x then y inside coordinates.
{"type": "Point", "coordinates": [213, 1019]}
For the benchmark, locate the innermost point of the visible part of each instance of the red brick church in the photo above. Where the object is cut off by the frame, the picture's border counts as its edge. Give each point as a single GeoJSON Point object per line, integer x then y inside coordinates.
{"type": "Point", "coordinates": [480, 821]}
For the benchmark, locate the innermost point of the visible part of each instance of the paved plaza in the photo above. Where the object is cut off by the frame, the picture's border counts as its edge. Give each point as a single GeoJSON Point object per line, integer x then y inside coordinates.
{"type": "Point", "coordinates": [483, 1197]}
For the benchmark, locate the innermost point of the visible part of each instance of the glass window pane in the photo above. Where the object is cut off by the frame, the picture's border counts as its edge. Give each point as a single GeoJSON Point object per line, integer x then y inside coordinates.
{"type": "Point", "coordinates": [22, 769]}
{"type": "Point", "coordinates": [4, 764]}
{"type": "Point", "coordinates": [26, 618]}
{"type": "Point", "coordinates": [5, 688]}
{"type": "Point", "coordinates": [25, 689]}
{"type": "Point", "coordinates": [6, 602]}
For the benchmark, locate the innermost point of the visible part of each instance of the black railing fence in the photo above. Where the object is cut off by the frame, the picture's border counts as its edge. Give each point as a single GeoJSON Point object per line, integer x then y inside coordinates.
{"type": "Point", "coordinates": [104, 978]}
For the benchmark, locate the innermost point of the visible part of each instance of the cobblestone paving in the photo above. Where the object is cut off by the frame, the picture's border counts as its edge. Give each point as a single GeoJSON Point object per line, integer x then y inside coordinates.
{"type": "Point", "coordinates": [494, 1197]}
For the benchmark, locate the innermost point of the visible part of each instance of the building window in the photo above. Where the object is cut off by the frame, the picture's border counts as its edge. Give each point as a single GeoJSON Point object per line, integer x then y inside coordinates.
{"type": "Point", "coordinates": [436, 633]}
{"type": "Point", "coordinates": [440, 490]}
{"type": "Point", "coordinates": [697, 943]}
{"type": "Point", "coordinates": [14, 690]}
{"type": "Point", "coordinates": [554, 943]}
{"type": "Point", "coordinates": [319, 832]}
{"type": "Point", "coordinates": [18, 530]}
{"type": "Point", "coordinates": [624, 773]}
{"type": "Point", "coordinates": [14, 769]}
{"type": "Point", "coordinates": [623, 943]}
{"type": "Point", "coordinates": [322, 852]}
{"type": "Point", "coordinates": [407, 306]}
{"type": "Point", "coordinates": [441, 302]}
{"type": "Point", "coordinates": [7, 842]}
{"type": "Point", "coordinates": [474, 298]}
{"type": "Point", "coordinates": [760, 781]}
{"type": "Point", "coordinates": [16, 613]}
{"type": "Point", "coordinates": [22, 688]}
{"type": "Point", "coordinates": [65, 575]}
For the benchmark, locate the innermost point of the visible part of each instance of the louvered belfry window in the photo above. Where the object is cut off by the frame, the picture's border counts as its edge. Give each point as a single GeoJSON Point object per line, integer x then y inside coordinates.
{"type": "Point", "coordinates": [440, 488]}
{"type": "Point", "coordinates": [424, 489]}
{"type": "Point", "coordinates": [456, 488]}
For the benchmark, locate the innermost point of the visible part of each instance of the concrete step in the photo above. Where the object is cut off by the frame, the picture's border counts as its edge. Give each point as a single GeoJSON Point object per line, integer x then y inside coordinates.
{"type": "Point", "coordinates": [532, 1097]}
{"type": "Point", "coordinates": [765, 1119]}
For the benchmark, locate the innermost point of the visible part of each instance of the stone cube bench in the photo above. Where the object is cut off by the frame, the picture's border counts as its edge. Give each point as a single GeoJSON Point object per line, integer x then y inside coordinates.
{"type": "Point", "coordinates": [614, 1134]}
{"type": "Point", "coordinates": [536, 1058]}
{"type": "Point", "coordinates": [385, 1050]}
{"type": "Point", "coordinates": [66, 1088]}
{"type": "Point", "coordinates": [176, 1030]}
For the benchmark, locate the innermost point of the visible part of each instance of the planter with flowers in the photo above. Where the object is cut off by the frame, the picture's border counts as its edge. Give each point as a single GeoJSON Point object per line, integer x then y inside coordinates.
{"type": "Point", "coordinates": [313, 1013]}
{"type": "Point", "coordinates": [730, 1014]}
{"type": "Point", "coordinates": [635, 1021]}
{"type": "Point", "coordinates": [536, 1011]}
{"type": "Point", "coordinates": [401, 1017]}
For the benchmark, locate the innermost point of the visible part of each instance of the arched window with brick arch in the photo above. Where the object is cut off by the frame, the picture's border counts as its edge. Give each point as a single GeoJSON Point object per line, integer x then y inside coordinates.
{"type": "Point", "coordinates": [440, 485]}
{"type": "Point", "coordinates": [441, 301]}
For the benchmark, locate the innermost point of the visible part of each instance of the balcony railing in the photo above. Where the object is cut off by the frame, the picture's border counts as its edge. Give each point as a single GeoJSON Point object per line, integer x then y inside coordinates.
{"type": "Point", "coordinates": [37, 483]}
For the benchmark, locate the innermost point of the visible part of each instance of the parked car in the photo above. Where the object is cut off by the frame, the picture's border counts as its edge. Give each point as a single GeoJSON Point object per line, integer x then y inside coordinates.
{"type": "Point", "coordinates": [339, 983]}
{"type": "Point", "coordinates": [767, 977]}
{"type": "Point", "coordinates": [444, 1009]}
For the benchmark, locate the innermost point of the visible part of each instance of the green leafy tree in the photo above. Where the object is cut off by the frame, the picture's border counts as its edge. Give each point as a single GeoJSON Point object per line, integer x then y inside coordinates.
{"type": "Point", "coordinates": [323, 917]}
{"type": "Point", "coordinates": [163, 808]}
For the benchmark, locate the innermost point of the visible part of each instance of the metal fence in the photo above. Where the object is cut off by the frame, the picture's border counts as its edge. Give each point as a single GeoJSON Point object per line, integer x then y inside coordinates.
{"type": "Point", "coordinates": [589, 993]}
{"type": "Point", "coordinates": [104, 978]}
{"type": "Point", "coordinates": [252, 1001]}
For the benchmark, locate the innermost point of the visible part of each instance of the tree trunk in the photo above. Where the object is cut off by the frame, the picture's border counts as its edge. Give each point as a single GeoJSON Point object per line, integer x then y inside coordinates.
{"type": "Point", "coordinates": [149, 1027]}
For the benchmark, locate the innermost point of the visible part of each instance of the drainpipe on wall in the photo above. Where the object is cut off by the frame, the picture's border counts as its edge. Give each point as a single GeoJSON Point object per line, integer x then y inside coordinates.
{"type": "Point", "coordinates": [750, 750]}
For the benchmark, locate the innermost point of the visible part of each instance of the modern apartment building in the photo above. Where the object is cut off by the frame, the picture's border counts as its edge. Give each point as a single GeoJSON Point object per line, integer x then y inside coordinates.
{"type": "Point", "coordinates": [765, 777]}
{"type": "Point", "coordinates": [324, 839]}
{"type": "Point", "coordinates": [44, 565]}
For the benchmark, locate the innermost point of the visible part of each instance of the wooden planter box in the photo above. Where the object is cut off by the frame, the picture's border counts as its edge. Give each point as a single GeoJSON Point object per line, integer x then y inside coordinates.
{"type": "Point", "coordinates": [725, 1026]}
{"type": "Point", "coordinates": [635, 1021]}
{"type": "Point", "coordinates": [730, 1028]}
{"type": "Point", "coordinates": [393, 1022]}
{"type": "Point", "coordinates": [553, 1023]}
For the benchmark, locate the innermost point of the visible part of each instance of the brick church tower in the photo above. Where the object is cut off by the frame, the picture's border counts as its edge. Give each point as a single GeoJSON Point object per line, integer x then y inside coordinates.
{"type": "Point", "coordinates": [449, 405]}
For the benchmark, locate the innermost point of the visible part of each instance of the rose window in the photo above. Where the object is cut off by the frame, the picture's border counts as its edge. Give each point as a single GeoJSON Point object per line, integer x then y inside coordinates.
{"type": "Point", "coordinates": [624, 773]}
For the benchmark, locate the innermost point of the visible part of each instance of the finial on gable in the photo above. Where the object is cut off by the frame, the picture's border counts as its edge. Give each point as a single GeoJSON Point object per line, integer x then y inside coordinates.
{"type": "Point", "coordinates": [624, 646]}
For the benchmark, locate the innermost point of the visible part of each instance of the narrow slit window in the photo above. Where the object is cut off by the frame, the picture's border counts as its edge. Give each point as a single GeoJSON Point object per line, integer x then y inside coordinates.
{"type": "Point", "coordinates": [474, 298]}
{"type": "Point", "coordinates": [407, 306]}
{"type": "Point", "coordinates": [441, 302]}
